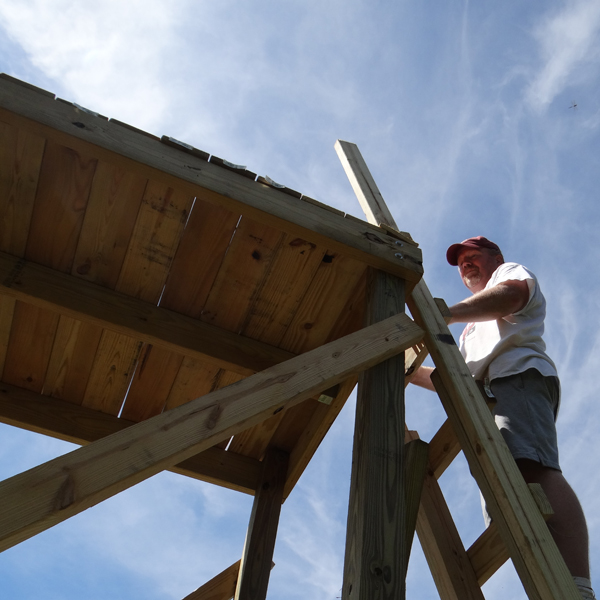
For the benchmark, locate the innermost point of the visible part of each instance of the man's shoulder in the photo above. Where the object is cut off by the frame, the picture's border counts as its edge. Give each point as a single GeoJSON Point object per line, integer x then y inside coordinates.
{"type": "Point", "coordinates": [511, 270]}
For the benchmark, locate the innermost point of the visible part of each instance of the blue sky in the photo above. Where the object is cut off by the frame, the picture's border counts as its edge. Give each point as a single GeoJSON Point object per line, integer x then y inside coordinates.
{"type": "Point", "coordinates": [461, 110]}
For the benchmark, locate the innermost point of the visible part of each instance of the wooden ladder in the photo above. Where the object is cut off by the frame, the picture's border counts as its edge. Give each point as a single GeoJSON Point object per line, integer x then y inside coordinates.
{"type": "Point", "coordinates": [518, 530]}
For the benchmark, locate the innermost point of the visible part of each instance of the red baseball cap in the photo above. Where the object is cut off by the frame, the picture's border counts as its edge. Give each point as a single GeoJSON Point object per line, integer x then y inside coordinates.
{"type": "Point", "coordinates": [474, 242]}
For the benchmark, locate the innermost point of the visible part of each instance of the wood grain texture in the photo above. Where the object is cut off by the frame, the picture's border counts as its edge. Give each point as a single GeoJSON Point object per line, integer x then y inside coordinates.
{"type": "Point", "coordinates": [536, 558]}
{"type": "Point", "coordinates": [446, 556]}
{"type": "Point", "coordinates": [207, 234]}
{"type": "Point", "coordinates": [220, 587]}
{"type": "Point", "coordinates": [7, 309]}
{"type": "Point", "coordinates": [140, 320]}
{"type": "Point", "coordinates": [108, 224]}
{"type": "Point", "coordinates": [374, 564]}
{"type": "Point", "coordinates": [29, 347]}
{"type": "Point", "coordinates": [71, 360]}
{"type": "Point", "coordinates": [20, 162]}
{"type": "Point", "coordinates": [488, 553]}
{"type": "Point", "coordinates": [257, 557]}
{"type": "Point", "coordinates": [154, 160]}
{"type": "Point", "coordinates": [416, 464]}
{"type": "Point", "coordinates": [46, 495]}
{"type": "Point", "coordinates": [79, 425]}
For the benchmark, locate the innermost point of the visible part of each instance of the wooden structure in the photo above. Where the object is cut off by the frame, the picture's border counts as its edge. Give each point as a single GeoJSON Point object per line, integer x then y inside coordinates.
{"type": "Point", "coordinates": [167, 309]}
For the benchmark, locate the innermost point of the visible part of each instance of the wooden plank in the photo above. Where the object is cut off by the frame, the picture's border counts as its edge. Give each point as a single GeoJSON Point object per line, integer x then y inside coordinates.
{"type": "Point", "coordinates": [152, 383]}
{"type": "Point", "coordinates": [62, 194]}
{"type": "Point", "coordinates": [79, 425]}
{"type": "Point", "coordinates": [29, 347]}
{"type": "Point", "coordinates": [443, 449]}
{"type": "Point", "coordinates": [108, 223]}
{"type": "Point", "coordinates": [220, 587]}
{"type": "Point", "coordinates": [242, 275]}
{"type": "Point", "coordinates": [114, 203]}
{"type": "Point", "coordinates": [7, 309]}
{"type": "Point", "coordinates": [257, 558]}
{"type": "Point", "coordinates": [70, 365]}
{"type": "Point", "coordinates": [20, 161]}
{"type": "Point", "coordinates": [114, 366]}
{"type": "Point", "coordinates": [158, 229]}
{"type": "Point", "coordinates": [416, 463]}
{"type": "Point", "coordinates": [208, 234]}
{"type": "Point", "coordinates": [313, 433]}
{"type": "Point", "coordinates": [488, 553]}
{"type": "Point", "coordinates": [450, 566]}
{"type": "Point", "coordinates": [46, 495]}
{"type": "Point", "coordinates": [194, 378]}
{"type": "Point", "coordinates": [154, 160]}
{"type": "Point", "coordinates": [291, 273]}
{"type": "Point", "coordinates": [143, 321]}
{"type": "Point", "coordinates": [536, 558]}
{"type": "Point", "coordinates": [363, 184]}
{"type": "Point", "coordinates": [374, 564]}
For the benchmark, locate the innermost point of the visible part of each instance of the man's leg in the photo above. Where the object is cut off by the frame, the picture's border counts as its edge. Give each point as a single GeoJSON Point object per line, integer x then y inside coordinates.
{"type": "Point", "coordinates": [567, 525]}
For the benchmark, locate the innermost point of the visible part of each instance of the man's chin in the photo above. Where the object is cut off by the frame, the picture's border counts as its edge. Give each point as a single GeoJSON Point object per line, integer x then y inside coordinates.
{"type": "Point", "coordinates": [472, 282]}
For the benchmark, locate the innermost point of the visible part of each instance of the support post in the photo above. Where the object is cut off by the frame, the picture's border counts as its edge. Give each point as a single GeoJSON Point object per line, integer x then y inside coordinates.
{"type": "Point", "coordinates": [375, 542]}
{"type": "Point", "coordinates": [262, 531]}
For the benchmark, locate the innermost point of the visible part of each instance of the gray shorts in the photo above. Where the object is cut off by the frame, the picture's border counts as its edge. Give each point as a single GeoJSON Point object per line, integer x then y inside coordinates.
{"type": "Point", "coordinates": [525, 412]}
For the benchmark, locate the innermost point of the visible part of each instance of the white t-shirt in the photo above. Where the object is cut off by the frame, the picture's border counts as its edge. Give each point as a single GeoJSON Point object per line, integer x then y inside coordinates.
{"type": "Point", "coordinates": [514, 343]}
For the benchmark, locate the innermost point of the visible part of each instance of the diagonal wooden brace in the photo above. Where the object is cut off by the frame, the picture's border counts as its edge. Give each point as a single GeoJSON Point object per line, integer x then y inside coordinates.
{"type": "Point", "coordinates": [50, 493]}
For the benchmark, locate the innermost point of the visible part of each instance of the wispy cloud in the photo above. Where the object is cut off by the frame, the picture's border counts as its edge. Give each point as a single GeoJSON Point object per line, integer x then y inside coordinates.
{"type": "Point", "coordinates": [569, 45]}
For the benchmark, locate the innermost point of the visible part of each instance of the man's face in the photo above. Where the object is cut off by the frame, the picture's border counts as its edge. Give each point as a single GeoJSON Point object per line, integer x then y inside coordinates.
{"type": "Point", "coordinates": [476, 267]}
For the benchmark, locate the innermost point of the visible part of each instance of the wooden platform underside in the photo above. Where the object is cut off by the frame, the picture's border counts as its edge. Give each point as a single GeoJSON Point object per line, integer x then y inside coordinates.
{"type": "Point", "coordinates": [137, 275]}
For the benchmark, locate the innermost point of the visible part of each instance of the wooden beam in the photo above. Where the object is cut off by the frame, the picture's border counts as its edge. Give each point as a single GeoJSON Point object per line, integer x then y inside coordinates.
{"type": "Point", "coordinates": [363, 184]}
{"type": "Point", "coordinates": [444, 551]}
{"type": "Point", "coordinates": [375, 558]}
{"type": "Point", "coordinates": [257, 558]}
{"type": "Point", "coordinates": [80, 425]}
{"type": "Point", "coordinates": [86, 301]}
{"type": "Point", "coordinates": [416, 461]}
{"type": "Point", "coordinates": [220, 587]}
{"type": "Point", "coordinates": [116, 144]}
{"type": "Point", "coordinates": [537, 560]}
{"type": "Point", "coordinates": [488, 553]}
{"type": "Point", "coordinates": [46, 495]}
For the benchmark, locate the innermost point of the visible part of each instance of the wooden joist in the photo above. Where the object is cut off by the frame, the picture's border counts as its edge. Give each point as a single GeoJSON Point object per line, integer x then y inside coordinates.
{"type": "Point", "coordinates": [107, 141]}
{"type": "Point", "coordinates": [46, 495]}
{"type": "Point", "coordinates": [81, 425]}
{"type": "Point", "coordinates": [79, 299]}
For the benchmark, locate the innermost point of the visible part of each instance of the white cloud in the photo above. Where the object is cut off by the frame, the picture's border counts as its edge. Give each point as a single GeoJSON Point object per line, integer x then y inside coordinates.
{"type": "Point", "coordinates": [109, 53]}
{"type": "Point", "coordinates": [568, 42]}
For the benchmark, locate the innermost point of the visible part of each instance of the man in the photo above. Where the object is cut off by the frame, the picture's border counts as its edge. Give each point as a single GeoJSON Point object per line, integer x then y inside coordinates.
{"type": "Point", "coordinates": [503, 348]}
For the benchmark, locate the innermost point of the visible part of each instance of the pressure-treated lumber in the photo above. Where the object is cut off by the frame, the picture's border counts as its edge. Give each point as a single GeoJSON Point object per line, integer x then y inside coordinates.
{"type": "Point", "coordinates": [80, 425]}
{"type": "Point", "coordinates": [375, 558]}
{"type": "Point", "coordinates": [537, 560]}
{"type": "Point", "coordinates": [115, 144]}
{"type": "Point", "coordinates": [488, 553]}
{"type": "Point", "coordinates": [415, 457]}
{"type": "Point", "coordinates": [256, 562]}
{"type": "Point", "coordinates": [363, 184]}
{"type": "Point", "coordinates": [85, 301]}
{"type": "Point", "coordinates": [535, 555]}
{"type": "Point", "coordinates": [46, 495]}
{"type": "Point", "coordinates": [220, 587]}
{"type": "Point", "coordinates": [444, 551]}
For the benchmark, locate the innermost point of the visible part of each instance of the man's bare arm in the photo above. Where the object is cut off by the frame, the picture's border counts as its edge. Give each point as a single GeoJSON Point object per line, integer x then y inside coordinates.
{"type": "Point", "coordinates": [422, 378]}
{"type": "Point", "coordinates": [503, 299]}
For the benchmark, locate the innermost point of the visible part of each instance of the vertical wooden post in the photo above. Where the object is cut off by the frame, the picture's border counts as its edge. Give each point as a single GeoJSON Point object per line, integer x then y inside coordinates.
{"type": "Point", "coordinates": [375, 548]}
{"type": "Point", "coordinates": [262, 531]}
